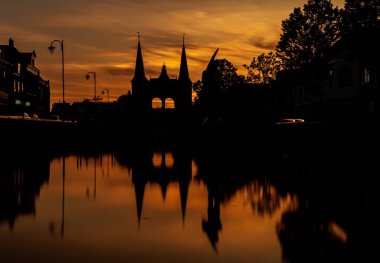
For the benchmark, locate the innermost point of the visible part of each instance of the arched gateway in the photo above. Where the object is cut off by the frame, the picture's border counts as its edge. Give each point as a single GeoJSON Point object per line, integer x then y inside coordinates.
{"type": "Point", "coordinates": [162, 92]}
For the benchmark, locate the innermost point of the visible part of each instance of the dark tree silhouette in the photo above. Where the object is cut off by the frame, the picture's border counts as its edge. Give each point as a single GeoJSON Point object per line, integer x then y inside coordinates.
{"type": "Point", "coordinates": [361, 14]}
{"type": "Point", "coordinates": [264, 68]}
{"type": "Point", "coordinates": [227, 74]}
{"type": "Point", "coordinates": [308, 32]}
{"type": "Point", "coordinates": [198, 87]}
{"type": "Point", "coordinates": [225, 77]}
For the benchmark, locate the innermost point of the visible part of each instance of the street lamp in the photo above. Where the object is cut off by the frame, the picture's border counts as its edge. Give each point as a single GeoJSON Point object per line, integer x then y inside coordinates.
{"type": "Point", "coordinates": [88, 77]}
{"type": "Point", "coordinates": [108, 93]}
{"type": "Point", "coordinates": [51, 49]}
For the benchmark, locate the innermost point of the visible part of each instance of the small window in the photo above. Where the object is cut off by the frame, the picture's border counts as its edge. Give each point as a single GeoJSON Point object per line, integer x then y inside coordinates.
{"type": "Point", "coordinates": [18, 68]}
{"type": "Point", "coordinates": [367, 76]}
{"type": "Point", "coordinates": [169, 103]}
{"type": "Point", "coordinates": [18, 102]}
{"type": "Point", "coordinates": [156, 103]}
{"type": "Point", "coordinates": [27, 104]}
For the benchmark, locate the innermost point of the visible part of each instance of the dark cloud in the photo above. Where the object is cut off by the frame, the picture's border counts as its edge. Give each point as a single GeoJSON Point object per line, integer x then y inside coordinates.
{"type": "Point", "coordinates": [119, 71]}
{"type": "Point", "coordinates": [150, 72]}
{"type": "Point", "coordinates": [261, 42]}
{"type": "Point", "coordinates": [201, 60]}
{"type": "Point", "coordinates": [116, 71]}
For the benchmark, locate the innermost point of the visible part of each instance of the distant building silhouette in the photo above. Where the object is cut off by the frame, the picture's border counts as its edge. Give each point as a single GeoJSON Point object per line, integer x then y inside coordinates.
{"type": "Point", "coordinates": [162, 92]}
{"type": "Point", "coordinates": [21, 87]}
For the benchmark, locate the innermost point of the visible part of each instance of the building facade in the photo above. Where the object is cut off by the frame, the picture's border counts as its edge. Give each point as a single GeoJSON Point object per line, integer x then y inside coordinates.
{"type": "Point", "coordinates": [162, 92]}
{"type": "Point", "coordinates": [353, 88]}
{"type": "Point", "coordinates": [21, 87]}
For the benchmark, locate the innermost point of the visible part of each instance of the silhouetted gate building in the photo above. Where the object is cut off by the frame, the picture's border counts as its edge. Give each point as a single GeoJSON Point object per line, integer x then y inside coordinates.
{"type": "Point", "coordinates": [162, 92]}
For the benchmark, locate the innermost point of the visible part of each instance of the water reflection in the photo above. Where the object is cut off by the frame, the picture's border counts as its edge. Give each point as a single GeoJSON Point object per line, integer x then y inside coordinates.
{"type": "Point", "coordinates": [337, 199]}
{"type": "Point", "coordinates": [20, 182]}
{"type": "Point", "coordinates": [160, 168]}
{"type": "Point", "coordinates": [205, 206]}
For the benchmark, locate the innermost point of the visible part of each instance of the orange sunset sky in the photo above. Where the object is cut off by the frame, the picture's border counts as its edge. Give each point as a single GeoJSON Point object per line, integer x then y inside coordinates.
{"type": "Point", "coordinates": [101, 36]}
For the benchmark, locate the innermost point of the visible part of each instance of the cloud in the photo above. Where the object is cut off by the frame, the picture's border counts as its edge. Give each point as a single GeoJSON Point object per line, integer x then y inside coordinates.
{"type": "Point", "coordinates": [119, 71]}
{"type": "Point", "coordinates": [262, 43]}
{"type": "Point", "coordinates": [101, 35]}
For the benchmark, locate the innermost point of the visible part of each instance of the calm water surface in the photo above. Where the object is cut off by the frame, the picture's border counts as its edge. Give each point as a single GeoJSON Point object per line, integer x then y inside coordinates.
{"type": "Point", "coordinates": [171, 207]}
{"type": "Point", "coordinates": [98, 209]}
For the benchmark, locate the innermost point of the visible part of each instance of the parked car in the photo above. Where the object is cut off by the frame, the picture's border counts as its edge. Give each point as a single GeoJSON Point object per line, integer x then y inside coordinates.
{"type": "Point", "coordinates": [53, 117]}
{"type": "Point", "coordinates": [26, 116]}
{"type": "Point", "coordinates": [290, 121]}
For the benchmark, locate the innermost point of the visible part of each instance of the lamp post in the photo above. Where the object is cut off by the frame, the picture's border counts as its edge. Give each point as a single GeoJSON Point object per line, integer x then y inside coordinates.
{"type": "Point", "coordinates": [51, 49]}
{"type": "Point", "coordinates": [88, 77]}
{"type": "Point", "coordinates": [108, 93]}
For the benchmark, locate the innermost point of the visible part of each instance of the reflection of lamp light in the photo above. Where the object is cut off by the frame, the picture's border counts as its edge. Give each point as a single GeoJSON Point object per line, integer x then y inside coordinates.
{"type": "Point", "coordinates": [88, 77]}
{"type": "Point", "coordinates": [51, 50]}
{"type": "Point", "coordinates": [63, 195]}
{"type": "Point", "coordinates": [88, 190]}
{"type": "Point", "coordinates": [95, 180]}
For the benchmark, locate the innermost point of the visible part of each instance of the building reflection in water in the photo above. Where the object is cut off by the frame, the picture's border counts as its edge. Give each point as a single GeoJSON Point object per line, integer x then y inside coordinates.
{"type": "Point", "coordinates": [334, 219]}
{"type": "Point", "coordinates": [312, 207]}
{"type": "Point", "coordinates": [21, 179]}
{"type": "Point", "coordinates": [160, 168]}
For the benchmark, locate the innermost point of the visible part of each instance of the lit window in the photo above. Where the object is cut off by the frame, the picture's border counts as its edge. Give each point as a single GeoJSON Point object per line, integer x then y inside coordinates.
{"type": "Point", "coordinates": [18, 68]}
{"type": "Point", "coordinates": [27, 104]}
{"type": "Point", "coordinates": [367, 76]}
{"type": "Point", "coordinates": [156, 103]}
{"type": "Point", "coordinates": [18, 102]}
{"type": "Point", "coordinates": [169, 104]}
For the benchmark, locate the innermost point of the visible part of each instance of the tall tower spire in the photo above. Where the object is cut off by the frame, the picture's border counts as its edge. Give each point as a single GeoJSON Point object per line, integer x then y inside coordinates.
{"type": "Point", "coordinates": [139, 185]}
{"type": "Point", "coordinates": [184, 70]}
{"type": "Point", "coordinates": [139, 68]}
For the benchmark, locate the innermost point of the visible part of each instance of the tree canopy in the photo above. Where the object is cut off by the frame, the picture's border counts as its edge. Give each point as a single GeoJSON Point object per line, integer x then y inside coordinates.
{"type": "Point", "coordinates": [264, 68]}
{"type": "Point", "coordinates": [309, 32]}
{"type": "Point", "coordinates": [225, 77]}
{"type": "Point", "coordinates": [361, 14]}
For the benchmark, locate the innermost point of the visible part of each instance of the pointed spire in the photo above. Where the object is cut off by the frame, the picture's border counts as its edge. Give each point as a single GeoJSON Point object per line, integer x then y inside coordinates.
{"type": "Point", "coordinates": [164, 189]}
{"type": "Point", "coordinates": [183, 192]}
{"type": "Point", "coordinates": [139, 195]}
{"type": "Point", "coordinates": [164, 73]}
{"type": "Point", "coordinates": [184, 70]}
{"type": "Point", "coordinates": [211, 63]}
{"type": "Point", "coordinates": [139, 68]}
